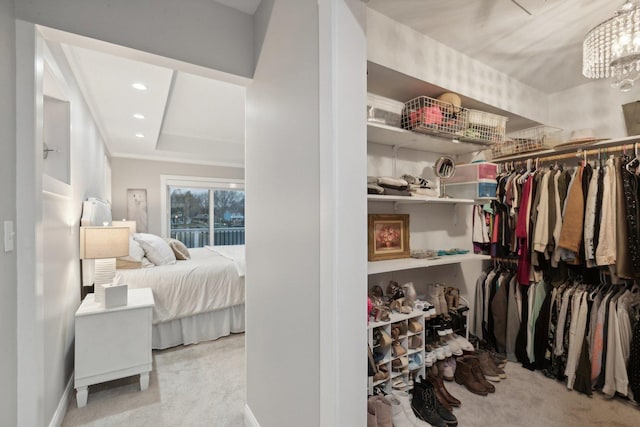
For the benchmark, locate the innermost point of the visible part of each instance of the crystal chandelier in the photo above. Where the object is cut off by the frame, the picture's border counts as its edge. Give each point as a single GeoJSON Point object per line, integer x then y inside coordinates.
{"type": "Point", "coordinates": [612, 49]}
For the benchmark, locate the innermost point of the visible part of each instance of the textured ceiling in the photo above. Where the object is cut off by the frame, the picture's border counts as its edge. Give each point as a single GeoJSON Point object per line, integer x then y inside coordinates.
{"type": "Point", "coordinates": [543, 50]}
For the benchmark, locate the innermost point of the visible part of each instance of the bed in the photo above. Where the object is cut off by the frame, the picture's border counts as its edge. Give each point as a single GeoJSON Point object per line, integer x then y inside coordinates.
{"type": "Point", "coordinates": [198, 299]}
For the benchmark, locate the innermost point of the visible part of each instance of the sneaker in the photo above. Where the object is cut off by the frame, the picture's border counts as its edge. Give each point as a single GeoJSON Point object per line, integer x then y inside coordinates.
{"type": "Point", "coordinates": [453, 345]}
{"type": "Point", "coordinates": [415, 361]}
{"type": "Point", "coordinates": [464, 344]}
{"type": "Point", "coordinates": [447, 349]}
{"type": "Point", "coordinates": [430, 358]}
{"type": "Point", "coordinates": [440, 353]}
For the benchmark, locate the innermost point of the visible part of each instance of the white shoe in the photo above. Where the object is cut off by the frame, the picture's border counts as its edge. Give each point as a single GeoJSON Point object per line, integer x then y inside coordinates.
{"type": "Point", "coordinates": [463, 342]}
{"type": "Point", "coordinates": [429, 359]}
{"type": "Point", "coordinates": [440, 353]}
{"type": "Point", "coordinates": [404, 400]}
{"type": "Point", "coordinates": [447, 350]}
{"type": "Point", "coordinates": [454, 346]}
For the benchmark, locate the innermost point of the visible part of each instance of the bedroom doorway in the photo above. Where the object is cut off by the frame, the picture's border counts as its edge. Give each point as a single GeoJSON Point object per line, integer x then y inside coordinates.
{"type": "Point", "coordinates": [105, 161]}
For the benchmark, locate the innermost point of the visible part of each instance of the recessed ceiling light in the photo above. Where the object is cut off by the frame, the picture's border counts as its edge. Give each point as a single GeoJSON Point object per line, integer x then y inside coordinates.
{"type": "Point", "coordinates": [139, 86]}
{"type": "Point", "coordinates": [139, 135]}
{"type": "Point", "coordinates": [138, 116]}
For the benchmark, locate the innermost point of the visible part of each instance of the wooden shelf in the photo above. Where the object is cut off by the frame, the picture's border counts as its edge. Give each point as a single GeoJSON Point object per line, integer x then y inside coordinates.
{"type": "Point", "coordinates": [375, 267]}
{"type": "Point", "coordinates": [390, 135]}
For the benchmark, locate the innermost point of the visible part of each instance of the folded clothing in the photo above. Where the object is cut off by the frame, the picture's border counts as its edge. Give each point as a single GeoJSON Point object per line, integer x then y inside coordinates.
{"type": "Point", "coordinates": [390, 182]}
{"type": "Point", "coordinates": [374, 189]}
{"type": "Point", "coordinates": [425, 192]}
{"type": "Point", "coordinates": [394, 192]}
{"type": "Point", "coordinates": [372, 179]}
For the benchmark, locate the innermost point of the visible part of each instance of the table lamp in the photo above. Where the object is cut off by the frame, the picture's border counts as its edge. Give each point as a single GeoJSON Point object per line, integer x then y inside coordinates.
{"type": "Point", "coordinates": [125, 223]}
{"type": "Point", "coordinates": [104, 245]}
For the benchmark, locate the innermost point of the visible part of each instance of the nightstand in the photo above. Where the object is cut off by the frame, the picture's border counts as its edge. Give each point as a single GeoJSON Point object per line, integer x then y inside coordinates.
{"type": "Point", "coordinates": [113, 343]}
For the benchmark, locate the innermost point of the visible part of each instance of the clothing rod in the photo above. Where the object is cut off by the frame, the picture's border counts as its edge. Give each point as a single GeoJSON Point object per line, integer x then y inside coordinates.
{"type": "Point", "coordinates": [580, 154]}
{"type": "Point", "coordinates": [566, 152]}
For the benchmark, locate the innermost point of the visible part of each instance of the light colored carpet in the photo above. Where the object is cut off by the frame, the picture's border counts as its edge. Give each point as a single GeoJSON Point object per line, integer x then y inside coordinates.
{"type": "Point", "coordinates": [196, 385]}
{"type": "Point", "coordinates": [530, 399]}
{"type": "Point", "coordinates": [204, 385]}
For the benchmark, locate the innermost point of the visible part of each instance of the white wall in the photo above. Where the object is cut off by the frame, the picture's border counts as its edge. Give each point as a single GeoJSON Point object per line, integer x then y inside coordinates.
{"type": "Point", "coordinates": [403, 49]}
{"type": "Point", "coordinates": [200, 32]}
{"type": "Point", "coordinates": [282, 220]}
{"type": "Point", "coordinates": [61, 219]}
{"type": "Point", "coordinates": [306, 263]}
{"type": "Point", "coordinates": [8, 295]}
{"type": "Point", "coordinates": [135, 173]}
{"type": "Point", "coordinates": [595, 105]}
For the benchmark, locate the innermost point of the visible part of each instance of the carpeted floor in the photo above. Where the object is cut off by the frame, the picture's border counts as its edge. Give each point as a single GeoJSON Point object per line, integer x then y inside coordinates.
{"type": "Point", "coordinates": [204, 385]}
{"type": "Point", "coordinates": [191, 386]}
{"type": "Point", "coordinates": [530, 399]}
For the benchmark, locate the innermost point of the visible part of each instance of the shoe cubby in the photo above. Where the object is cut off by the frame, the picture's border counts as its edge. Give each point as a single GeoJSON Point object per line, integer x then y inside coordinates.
{"type": "Point", "coordinates": [404, 358]}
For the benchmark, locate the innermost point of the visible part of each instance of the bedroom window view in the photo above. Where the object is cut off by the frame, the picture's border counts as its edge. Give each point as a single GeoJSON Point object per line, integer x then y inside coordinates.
{"type": "Point", "coordinates": [201, 217]}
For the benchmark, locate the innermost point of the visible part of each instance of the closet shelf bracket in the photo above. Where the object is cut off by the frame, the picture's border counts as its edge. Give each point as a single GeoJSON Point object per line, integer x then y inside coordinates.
{"type": "Point", "coordinates": [394, 150]}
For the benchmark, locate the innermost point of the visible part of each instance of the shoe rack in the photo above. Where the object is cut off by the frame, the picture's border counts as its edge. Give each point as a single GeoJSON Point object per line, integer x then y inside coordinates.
{"type": "Point", "coordinates": [399, 374]}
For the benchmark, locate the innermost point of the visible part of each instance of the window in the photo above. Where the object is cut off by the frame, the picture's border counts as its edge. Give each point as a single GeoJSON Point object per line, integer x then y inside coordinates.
{"type": "Point", "coordinates": [201, 212]}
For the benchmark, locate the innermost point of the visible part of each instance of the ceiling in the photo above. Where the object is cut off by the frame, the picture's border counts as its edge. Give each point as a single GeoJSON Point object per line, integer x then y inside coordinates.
{"type": "Point", "coordinates": [187, 117]}
{"type": "Point", "coordinates": [542, 49]}
{"type": "Point", "coordinates": [192, 118]}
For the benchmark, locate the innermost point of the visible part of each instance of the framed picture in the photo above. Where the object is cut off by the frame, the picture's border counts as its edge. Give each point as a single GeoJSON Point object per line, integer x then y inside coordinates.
{"type": "Point", "coordinates": [388, 236]}
{"type": "Point", "coordinates": [137, 208]}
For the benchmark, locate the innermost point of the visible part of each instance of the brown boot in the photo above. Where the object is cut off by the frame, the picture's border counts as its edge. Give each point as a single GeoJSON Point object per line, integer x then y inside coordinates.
{"type": "Point", "coordinates": [439, 384]}
{"type": "Point", "coordinates": [441, 398]}
{"type": "Point", "coordinates": [489, 369]}
{"type": "Point", "coordinates": [476, 369]}
{"type": "Point", "coordinates": [464, 375]}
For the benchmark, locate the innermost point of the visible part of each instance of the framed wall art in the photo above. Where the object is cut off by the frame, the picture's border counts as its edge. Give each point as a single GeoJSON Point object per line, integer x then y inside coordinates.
{"type": "Point", "coordinates": [137, 208]}
{"type": "Point", "coordinates": [388, 236]}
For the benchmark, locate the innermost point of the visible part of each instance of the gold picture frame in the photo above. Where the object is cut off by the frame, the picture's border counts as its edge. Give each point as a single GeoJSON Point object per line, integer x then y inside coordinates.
{"type": "Point", "coordinates": [388, 236]}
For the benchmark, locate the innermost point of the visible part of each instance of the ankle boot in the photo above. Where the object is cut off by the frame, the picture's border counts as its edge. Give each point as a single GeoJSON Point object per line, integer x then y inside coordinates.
{"type": "Point", "coordinates": [489, 369]}
{"type": "Point", "coordinates": [464, 376]}
{"type": "Point", "coordinates": [439, 385]}
{"type": "Point", "coordinates": [440, 397]}
{"type": "Point", "coordinates": [443, 408]}
{"type": "Point", "coordinates": [476, 369]}
{"type": "Point", "coordinates": [425, 406]}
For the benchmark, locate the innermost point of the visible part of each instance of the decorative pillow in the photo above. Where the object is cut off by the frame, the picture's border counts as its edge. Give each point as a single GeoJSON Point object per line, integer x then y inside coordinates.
{"type": "Point", "coordinates": [179, 249]}
{"type": "Point", "coordinates": [128, 265]}
{"type": "Point", "coordinates": [155, 248]}
{"type": "Point", "coordinates": [136, 253]}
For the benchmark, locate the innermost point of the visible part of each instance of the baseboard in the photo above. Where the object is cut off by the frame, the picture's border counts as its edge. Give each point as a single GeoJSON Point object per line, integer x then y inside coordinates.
{"type": "Point", "coordinates": [61, 410]}
{"type": "Point", "coordinates": [249, 418]}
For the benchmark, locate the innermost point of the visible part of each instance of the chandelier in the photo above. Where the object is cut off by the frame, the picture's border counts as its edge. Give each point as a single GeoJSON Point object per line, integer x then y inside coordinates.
{"type": "Point", "coordinates": [612, 49]}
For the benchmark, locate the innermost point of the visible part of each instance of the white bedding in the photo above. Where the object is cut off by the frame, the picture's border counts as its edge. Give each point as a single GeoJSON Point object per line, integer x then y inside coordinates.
{"type": "Point", "coordinates": [234, 253]}
{"type": "Point", "coordinates": [206, 282]}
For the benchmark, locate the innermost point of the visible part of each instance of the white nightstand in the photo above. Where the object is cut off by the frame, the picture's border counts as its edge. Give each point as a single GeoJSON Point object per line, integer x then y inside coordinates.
{"type": "Point", "coordinates": [113, 343]}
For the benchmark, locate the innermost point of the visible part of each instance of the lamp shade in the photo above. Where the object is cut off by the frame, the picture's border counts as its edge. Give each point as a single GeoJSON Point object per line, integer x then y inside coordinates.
{"type": "Point", "coordinates": [104, 242]}
{"type": "Point", "coordinates": [125, 223]}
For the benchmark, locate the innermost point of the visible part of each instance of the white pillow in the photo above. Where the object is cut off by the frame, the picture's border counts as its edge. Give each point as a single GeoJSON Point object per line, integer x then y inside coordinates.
{"type": "Point", "coordinates": [155, 248]}
{"type": "Point", "coordinates": [136, 253]}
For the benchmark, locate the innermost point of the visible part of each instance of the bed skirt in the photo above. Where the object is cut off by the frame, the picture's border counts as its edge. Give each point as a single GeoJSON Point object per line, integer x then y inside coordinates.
{"type": "Point", "coordinates": [197, 328]}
